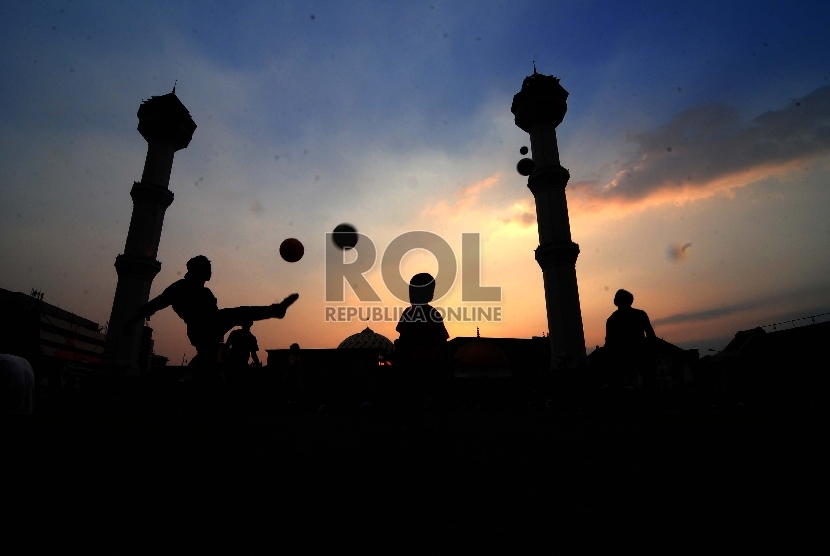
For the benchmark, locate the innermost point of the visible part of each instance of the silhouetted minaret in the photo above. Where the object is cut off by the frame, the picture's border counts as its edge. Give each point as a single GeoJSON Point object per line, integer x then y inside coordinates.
{"type": "Point", "coordinates": [166, 125]}
{"type": "Point", "coordinates": [539, 107]}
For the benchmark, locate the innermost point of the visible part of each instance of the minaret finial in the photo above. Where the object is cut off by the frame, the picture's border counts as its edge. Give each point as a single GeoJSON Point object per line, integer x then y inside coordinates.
{"type": "Point", "coordinates": [176, 81]}
{"type": "Point", "coordinates": [478, 333]}
{"type": "Point", "coordinates": [534, 67]}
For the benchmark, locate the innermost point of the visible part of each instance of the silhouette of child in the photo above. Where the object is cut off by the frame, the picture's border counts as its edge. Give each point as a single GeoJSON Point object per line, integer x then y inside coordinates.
{"type": "Point", "coordinates": [421, 348]}
{"type": "Point", "coordinates": [627, 333]}
{"type": "Point", "coordinates": [197, 307]}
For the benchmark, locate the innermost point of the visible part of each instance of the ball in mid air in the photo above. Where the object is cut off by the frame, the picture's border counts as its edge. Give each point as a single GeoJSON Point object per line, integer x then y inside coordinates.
{"type": "Point", "coordinates": [291, 250]}
{"type": "Point", "coordinates": [525, 167]}
{"type": "Point", "coordinates": [345, 236]}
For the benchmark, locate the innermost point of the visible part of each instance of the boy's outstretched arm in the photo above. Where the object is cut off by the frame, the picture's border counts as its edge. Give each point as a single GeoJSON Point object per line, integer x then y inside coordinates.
{"type": "Point", "coordinates": [163, 300]}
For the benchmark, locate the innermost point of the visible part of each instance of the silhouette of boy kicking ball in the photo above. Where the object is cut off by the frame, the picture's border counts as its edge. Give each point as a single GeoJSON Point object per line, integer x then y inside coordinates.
{"type": "Point", "coordinates": [197, 307]}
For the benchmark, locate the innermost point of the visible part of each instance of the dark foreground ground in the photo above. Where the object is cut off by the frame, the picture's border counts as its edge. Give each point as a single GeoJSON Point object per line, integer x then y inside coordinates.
{"type": "Point", "coordinates": [488, 482]}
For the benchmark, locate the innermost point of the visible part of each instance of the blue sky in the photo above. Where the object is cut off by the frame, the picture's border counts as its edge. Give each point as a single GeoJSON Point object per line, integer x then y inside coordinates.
{"type": "Point", "coordinates": [397, 118]}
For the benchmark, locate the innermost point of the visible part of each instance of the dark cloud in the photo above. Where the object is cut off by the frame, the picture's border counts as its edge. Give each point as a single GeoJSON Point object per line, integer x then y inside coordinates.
{"type": "Point", "coordinates": [708, 143]}
{"type": "Point", "coordinates": [815, 300]}
{"type": "Point", "coordinates": [708, 314]}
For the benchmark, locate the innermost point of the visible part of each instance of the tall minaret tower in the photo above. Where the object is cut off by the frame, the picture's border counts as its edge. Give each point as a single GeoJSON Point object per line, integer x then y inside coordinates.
{"type": "Point", "coordinates": [539, 107]}
{"type": "Point", "coordinates": [166, 125]}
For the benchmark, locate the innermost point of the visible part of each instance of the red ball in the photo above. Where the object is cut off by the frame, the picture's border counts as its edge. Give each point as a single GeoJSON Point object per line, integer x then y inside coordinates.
{"type": "Point", "coordinates": [291, 250]}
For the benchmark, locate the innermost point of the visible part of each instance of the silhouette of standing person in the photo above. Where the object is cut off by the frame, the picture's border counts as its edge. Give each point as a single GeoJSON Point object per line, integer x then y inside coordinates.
{"type": "Point", "coordinates": [197, 307]}
{"type": "Point", "coordinates": [240, 347]}
{"type": "Point", "coordinates": [627, 335]}
{"type": "Point", "coordinates": [421, 348]}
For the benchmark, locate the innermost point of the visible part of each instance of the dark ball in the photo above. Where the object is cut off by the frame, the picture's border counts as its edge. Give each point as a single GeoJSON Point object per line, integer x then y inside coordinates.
{"type": "Point", "coordinates": [345, 236]}
{"type": "Point", "coordinates": [525, 167]}
{"type": "Point", "coordinates": [523, 151]}
{"type": "Point", "coordinates": [291, 250]}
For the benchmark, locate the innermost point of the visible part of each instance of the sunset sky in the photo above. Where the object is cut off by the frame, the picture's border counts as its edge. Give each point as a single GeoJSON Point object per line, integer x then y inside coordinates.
{"type": "Point", "coordinates": [697, 138]}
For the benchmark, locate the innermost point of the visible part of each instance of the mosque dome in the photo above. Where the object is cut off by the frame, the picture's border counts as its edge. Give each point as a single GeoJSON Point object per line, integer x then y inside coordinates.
{"type": "Point", "coordinates": [368, 339]}
{"type": "Point", "coordinates": [481, 358]}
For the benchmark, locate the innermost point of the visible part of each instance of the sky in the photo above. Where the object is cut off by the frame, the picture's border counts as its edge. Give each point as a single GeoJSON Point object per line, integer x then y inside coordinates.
{"type": "Point", "coordinates": [697, 139]}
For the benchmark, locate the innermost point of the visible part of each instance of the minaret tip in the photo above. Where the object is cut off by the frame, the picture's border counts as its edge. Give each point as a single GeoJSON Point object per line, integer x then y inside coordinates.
{"type": "Point", "coordinates": [174, 86]}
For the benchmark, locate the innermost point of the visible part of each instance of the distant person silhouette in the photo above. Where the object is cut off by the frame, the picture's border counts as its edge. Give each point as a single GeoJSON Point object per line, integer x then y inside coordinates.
{"type": "Point", "coordinates": [242, 347]}
{"type": "Point", "coordinates": [628, 332]}
{"type": "Point", "coordinates": [293, 377]}
{"type": "Point", "coordinates": [421, 348]}
{"type": "Point", "coordinates": [197, 307]}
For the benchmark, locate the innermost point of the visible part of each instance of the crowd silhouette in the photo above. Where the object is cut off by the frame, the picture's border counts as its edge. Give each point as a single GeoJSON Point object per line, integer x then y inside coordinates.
{"type": "Point", "coordinates": [415, 377]}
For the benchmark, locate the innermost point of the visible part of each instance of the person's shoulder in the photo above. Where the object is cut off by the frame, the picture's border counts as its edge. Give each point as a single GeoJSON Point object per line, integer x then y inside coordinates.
{"type": "Point", "coordinates": [15, 360]}
{"type": "Point", "coordinates": [434, 314]}
{"type": "Point", "coordinates": [414, 313]}
{"type": "Point", "coordinates": [179, 285]}
{"type": "Point", "coordinates": [405, 315]}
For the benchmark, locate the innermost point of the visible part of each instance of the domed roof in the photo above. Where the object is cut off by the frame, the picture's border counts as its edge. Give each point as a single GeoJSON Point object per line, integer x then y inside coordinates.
{"type": "Point", "coordinates": [480, 355]}
{"type": "Point", "coordinates": [368, 339]}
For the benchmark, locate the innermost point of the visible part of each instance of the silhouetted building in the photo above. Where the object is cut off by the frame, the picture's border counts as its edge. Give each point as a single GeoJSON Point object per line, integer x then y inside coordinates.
{"type": "Point", "coordinates": [46, 335]}
{"type": "Point", "coordinates": [368, 339]}
{"type": "Point", "coordinates": [496, 373]}
{"type": "Point", "coordinates": [782, 368]}
{"type": "Point", "coordinates": [351, 372]}
{"type": "Point", "coordinates": [480, 359]}
{"type": "Point", "coordinates": [166, 125]}
{"type": "Point", "coordinates": [674, 368]}
{"type": "Point", "coordinates": [538, 108]}
{"type": "Point", "coordinates": [474, 356]}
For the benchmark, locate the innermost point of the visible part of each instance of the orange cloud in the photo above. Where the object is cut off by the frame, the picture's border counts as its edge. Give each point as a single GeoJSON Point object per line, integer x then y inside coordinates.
{"type": "Point", "coordinates": [523, 216]}
{"type": "Point", "coordinates": [466, 198]}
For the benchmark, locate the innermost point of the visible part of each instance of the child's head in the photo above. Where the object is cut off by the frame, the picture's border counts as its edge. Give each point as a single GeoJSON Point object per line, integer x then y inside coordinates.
{"type": "Point", "coordinates": [421, 288]}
